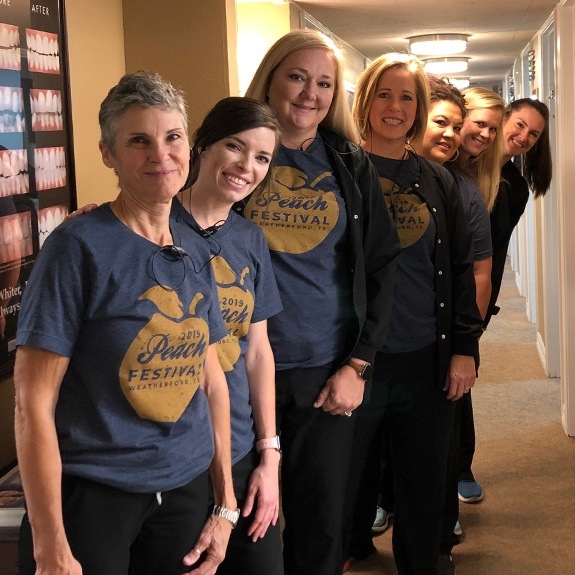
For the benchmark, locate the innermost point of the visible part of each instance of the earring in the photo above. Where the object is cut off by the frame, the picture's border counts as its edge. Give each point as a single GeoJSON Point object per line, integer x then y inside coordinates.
{"type": "Point", "coordinates": [455, 156]}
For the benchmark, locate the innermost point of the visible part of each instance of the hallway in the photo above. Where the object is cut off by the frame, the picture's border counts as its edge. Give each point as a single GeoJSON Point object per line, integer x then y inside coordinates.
{"type": "Point", "coordinates": [525, 462]}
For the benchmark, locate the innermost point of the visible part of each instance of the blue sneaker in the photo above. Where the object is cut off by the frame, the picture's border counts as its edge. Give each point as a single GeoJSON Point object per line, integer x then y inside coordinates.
{"type": "Point", "coordinates": [470, 491]}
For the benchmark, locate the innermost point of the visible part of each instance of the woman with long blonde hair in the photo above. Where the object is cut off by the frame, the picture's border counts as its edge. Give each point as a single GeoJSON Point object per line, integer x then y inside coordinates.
{"type": "Point", "coordinates": [481, 147]}
{"type": "Point", "coordinates": [333, 247]}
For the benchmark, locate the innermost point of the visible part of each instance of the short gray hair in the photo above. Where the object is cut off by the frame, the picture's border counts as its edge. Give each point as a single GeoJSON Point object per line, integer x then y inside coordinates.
{"type": "Point", "coordinates": [142, 89]}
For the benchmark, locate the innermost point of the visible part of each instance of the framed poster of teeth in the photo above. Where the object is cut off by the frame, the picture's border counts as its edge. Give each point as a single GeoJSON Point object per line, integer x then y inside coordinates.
{"type": "Point", "coordinates": [37, 188]}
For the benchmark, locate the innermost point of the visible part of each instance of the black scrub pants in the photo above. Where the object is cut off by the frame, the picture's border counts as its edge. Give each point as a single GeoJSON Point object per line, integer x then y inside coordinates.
{"type": "Point", "coordinates": [316, 450]}
{"type": "Point", "coordinates": [116, 532]}
{"type": "Point", "coordinates": [418, 420]}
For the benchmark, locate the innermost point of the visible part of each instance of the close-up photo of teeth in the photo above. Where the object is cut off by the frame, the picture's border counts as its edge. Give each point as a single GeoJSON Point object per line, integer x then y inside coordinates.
{"type": "Point", "coordinates": [9, 47]}
{"type": "Point", "coordinates": [50, 168]}
{"type": "Point", "coordinates": [15, 237]}
{"type": "Point", "coordinates": [14, 178]}
{"type": "Point", "coordinates": [11, 110]}
{"type": "Point", "coordinates": [49, 219]}
{"type": "Point", "coordinates": [43, 52]}
{"type": "Point", "coordinates": [46, 107]}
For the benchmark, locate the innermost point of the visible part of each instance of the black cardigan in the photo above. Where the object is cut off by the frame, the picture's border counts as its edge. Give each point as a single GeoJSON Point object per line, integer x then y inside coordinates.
{"type": "Point", "coordinates": [459, 323]}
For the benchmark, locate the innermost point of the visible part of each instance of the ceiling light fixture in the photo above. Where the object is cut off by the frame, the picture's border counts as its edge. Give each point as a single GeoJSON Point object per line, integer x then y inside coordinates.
{"type": "Point", "coordinates": [438, 44]}
{"type": "Point", "coordinates": [445, 66]}
{"type": "Point", "coordinates": [459, 83]}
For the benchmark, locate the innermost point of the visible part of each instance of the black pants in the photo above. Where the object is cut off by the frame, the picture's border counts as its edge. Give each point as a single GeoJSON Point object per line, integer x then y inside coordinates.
{"type": "Point", "coordinates": [466, 449]}
{"type": "Point", "coordinates": [462, 449]}
{"type": "Point", "coordinates": [115, 532]}
{"type": "Point", "coordinates": [316, 454]}
{"type": "Point", "coordinates": [264, 557]}
{"type": "Point", "coordinates": [418, 420]}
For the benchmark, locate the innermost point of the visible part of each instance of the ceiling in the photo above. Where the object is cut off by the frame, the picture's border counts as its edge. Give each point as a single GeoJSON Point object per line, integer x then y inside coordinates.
{"type": "Point", "coordinates": [499, 29]}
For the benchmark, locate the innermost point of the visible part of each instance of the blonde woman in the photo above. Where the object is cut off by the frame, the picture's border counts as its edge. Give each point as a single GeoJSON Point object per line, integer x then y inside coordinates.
{"type": "Point", "coordinates": [333, 247]}
{"type": "Point", "coordinates": [427, 360]}
{"type": "Point", "coordinates": [481, 147]}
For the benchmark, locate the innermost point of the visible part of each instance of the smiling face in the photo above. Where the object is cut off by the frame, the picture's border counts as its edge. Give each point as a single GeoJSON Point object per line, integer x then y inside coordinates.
{"type": "Point", "coordinates": [443, 132]}
{"type": "Point", "coordinates": [232, 167]}
{"type": "Point", "coordinates": [151, 156]}
{"type": "Point", "coordinates": [301, 91]}
{"type": "Point", "coordinates": [480, 130]}
{"type": "Point", "coordinates": [393, 108]}
{"type": "Point", "coordinates": [521, 130]}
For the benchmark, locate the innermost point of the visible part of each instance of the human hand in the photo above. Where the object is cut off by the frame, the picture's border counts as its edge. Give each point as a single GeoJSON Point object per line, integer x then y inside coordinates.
{"type": "Point", "coordinates": [212, 542]}
{"type": "Point", "coordinates": [81, 211]}
{"type": "Point", "coordinates": [460, 376]}
{"type": "Point", "coordinates": [263, 493]}
{"type": "Point", "coordinates": [57, 560]}
{"type": "Point", "coordinates": [342, 393]}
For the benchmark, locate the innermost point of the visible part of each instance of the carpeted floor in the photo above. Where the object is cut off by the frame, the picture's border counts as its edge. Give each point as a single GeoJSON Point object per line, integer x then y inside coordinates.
{"type": "Point", "coordinates": [526, 523]}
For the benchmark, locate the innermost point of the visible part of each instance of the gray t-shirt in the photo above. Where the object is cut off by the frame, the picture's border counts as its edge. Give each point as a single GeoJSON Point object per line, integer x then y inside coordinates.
{"type": "Point", "coordinates": [248, 294]}
{"type": "Point", "coordinates": [305, 222]}
{"type": "Point", "coordinates": [476, 210]}
{"type": "Point", "coordinates": [413, 322]}
{"type": "Point", "coordinates": [130, 413]}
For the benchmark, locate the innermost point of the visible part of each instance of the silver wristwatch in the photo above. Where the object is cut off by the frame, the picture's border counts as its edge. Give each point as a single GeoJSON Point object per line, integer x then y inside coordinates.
{"type": "Point", "coordinates": [232, 515]}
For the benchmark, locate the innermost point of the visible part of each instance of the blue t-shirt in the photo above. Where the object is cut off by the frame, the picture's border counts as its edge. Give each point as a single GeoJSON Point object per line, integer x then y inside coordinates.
{"type": "Point", "coordinates": [476, 211]}
{"type": "Point", "coordinates": [248, 294]}
{"type": "Point", "coordinates": [413, 322]}
{"type": "Point", "coordinates": [130, 412]}
{"type": "Point", "coordinates": [305, 222]}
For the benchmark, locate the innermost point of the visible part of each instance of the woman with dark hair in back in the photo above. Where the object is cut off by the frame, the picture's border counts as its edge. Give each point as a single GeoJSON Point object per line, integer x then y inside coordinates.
{"type": "Point", "coordinates": [525, 135]}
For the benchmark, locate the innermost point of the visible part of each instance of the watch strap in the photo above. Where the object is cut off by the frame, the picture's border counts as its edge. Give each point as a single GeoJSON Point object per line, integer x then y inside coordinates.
{"type": "Point", "coordinates": [364, 370]}
{"type": "Point", "coordinates": [268, 443]}
{"type": "Point", "coordinates": [232, 515]}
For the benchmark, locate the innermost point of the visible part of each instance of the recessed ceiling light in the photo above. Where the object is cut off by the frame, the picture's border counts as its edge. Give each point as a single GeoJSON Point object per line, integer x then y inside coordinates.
{"type": "Point", "coordinates": [438, 44]}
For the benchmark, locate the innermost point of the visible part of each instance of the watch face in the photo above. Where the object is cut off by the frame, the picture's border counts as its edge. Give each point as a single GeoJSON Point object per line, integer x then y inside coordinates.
{"type": "Point", "coordinates": [234, 517]}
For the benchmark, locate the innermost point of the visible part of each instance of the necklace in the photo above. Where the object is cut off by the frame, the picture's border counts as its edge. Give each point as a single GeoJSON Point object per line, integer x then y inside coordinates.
{"type": "Point", "coordinates": [208, 231]}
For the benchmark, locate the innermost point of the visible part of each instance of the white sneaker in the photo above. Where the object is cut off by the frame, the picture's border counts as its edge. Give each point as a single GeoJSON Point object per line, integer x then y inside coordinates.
{"type": "Point", "coordinates": [381, 522]}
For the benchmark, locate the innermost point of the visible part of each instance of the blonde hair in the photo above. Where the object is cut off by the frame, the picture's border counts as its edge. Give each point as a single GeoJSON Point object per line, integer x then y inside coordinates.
{"type": "Point", "coordinates": [367, 86]}
{"type": "Point", "coordinates": [338, 117]}
{"type": "Point", "coordinates": [486, 167]}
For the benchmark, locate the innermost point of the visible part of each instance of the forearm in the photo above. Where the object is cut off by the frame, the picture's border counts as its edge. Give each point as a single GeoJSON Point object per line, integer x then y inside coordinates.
{"type": "Point", "coordinates": [37, 383]}
{"type": "Point", "coordinates": [482, 275]}
{"type": "Point", "coordinates": [260, 370]}
{"type": "Point", "coordinates": [41, 471]}
{"type": "Point", "coordinates": [216, 390]}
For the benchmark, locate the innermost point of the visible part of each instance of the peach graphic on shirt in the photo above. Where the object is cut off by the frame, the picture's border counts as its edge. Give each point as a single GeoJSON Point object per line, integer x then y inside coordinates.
{"type": "Point", "coordinates": [409, 212]}
{"type": "Point", "coordinates": [295, 216]}
{"type": "Point", "coordinates": [237, 305]}
{"type": "Point", "coordinates": [164, 365]}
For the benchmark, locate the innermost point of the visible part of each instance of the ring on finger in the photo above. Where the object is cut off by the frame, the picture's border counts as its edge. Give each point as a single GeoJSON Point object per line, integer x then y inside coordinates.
{"type": "Point", "coordinates": [196, 550]}
{"type": "Point", "coordinates": [348, 413]}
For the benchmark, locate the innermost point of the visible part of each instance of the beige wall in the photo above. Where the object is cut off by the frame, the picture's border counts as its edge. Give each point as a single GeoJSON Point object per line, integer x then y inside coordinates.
{"type": "Point", "coordinates": [259, 26]}
{"type": "Point", "coordinates": [96, 56]}
{"type": "Point", "coordinates": [186, 42]}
